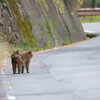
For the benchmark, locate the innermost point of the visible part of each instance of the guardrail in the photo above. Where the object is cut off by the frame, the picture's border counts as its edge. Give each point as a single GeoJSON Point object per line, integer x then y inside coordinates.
{"type": "Point", "coordinates": [88, 11]}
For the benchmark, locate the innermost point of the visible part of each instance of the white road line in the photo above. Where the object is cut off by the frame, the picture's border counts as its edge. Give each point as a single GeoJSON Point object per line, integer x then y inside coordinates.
{"type": "Point", "coordinates": [11, 97]}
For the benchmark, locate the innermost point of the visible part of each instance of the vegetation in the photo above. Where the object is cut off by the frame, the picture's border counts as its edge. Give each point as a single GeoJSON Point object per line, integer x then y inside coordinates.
{"type": "Point", "coordinates": [50, 25]}
{"type": "Point", "coordinates": [2, 1]}
{"type": "Point", "coordinates": [44, 3]}
{"type": "Point", "coordinates": [25, 27]}
{"type": "Point", "coordinates": [89, 35]}
{"type": "Point", "coordinates": [67, 42]}
{"type": "Point", "coordinates": [73, 4]}
{"type": "Point", "coordinates": [59, 6]}
{"type": "Point", "coordinates": [23, 48]}
{"type": "Point", "coordinates": [8, 44]}
{"type": "Point", "coordinates": [42, 29]}
{"type": "Point", "coordinates": [85, 19]}
{"type": "Point", "coordinates": [18, 1]}
{"type": "Point", "coordinates": [69, 30]}
{"type": "Point", "coordinates": [98, 3]}
{"type": "Point", "coordinates": [48, 44]}
{"type": "Point", "coordinates": [88, 3]}
{"type": "Point", "coordinates": [23, 23]}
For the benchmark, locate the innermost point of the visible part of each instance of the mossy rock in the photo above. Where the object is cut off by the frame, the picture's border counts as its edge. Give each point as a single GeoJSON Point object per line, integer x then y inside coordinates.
{"type": "Point", "coordinates": [42, 28]}
{"type": "Point", "coordinates": [48, 43]}
{"type": "Point", "coordinates": [24, 25]}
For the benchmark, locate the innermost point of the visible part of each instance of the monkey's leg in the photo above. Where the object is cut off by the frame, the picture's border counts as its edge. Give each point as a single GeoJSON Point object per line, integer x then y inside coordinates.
{"type": "Point", "coordinates": [19, 69]}
{"type": "Point", "coordinates": [27, 66]}
{"type": "Point", "coordinates": [14, 68]}
{"type": "Point", "coordinates": [23, 69]}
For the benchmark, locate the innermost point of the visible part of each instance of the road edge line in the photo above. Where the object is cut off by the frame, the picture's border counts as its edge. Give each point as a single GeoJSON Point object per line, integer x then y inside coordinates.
{"type": "Point", "coordinates": [6, 85]}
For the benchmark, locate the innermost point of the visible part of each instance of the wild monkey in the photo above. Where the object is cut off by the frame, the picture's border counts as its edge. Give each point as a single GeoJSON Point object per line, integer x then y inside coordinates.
{"type": "Point", "coordinates": [20, 61]}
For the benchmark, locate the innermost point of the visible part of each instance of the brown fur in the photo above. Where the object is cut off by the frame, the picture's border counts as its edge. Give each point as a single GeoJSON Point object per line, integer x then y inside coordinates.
{"type": "Point", "coordinates": [21, 60]}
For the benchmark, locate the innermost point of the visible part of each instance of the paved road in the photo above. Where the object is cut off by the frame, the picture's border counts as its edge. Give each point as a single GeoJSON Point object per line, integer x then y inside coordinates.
{"type": "Point", "coordinates": [70, 73]}
{"type": "Point", "coordinates": [92, 27]}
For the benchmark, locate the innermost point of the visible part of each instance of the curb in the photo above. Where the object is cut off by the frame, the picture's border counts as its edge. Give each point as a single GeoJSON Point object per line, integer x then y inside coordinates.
{"type": "Point", "coordinates": [70, 45]}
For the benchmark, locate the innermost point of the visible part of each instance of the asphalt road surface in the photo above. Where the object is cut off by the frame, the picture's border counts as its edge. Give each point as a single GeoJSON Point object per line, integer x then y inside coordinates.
{"type": "Point", "coordinates": [69, 73]}
{"type": "Point", "coordinates": [92, 27]}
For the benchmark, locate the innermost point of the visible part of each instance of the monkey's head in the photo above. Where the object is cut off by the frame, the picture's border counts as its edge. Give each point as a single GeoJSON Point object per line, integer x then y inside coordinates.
{"type": "Point", "coordinates": [15, 55]}
{"type": "Point", "coordinates": [30, 53]}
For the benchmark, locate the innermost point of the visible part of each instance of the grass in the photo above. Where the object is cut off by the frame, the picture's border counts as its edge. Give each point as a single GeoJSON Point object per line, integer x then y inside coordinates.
{"type": "Point", "coordinates": [67, 42]}
{"type": "Point", "coordinates": [26, 46]}
{"type": "Point", "coordinates": [48, 44]}
{"type": "Point", "coordinates": [14, 48]}
{"type": "Point", "coordinates": [86, 19]}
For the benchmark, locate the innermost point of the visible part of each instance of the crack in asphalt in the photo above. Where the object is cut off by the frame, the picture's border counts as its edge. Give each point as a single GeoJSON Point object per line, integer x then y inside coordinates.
{"type": "Point", "coordinates": [46, 93]}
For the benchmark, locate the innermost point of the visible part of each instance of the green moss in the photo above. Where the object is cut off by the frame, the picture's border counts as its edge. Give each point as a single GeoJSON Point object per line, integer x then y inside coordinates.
{"type": "Point", "coordinates": [24, 25]}
{"type": "Point", "coordinates": [44, 3]}
{"type": "Point", "coordinates": [18, 1]}
{"type": "Point", "coordinates": [59, 5]}
{"type": "Point", "coordinates": [49, 27]}
{"type": "Point", "coordinates": [33, 22]}
{"type": "Point", "coordinates": [58, 38]}
{"type": "Point", "coordinates": [42, 29]}
{"type": "Point", "coordinates": [49, 24]}
{"type": "Point", "coordinates": [67, 42]}
{"type": "Point", "coordinates": [36, 0]}
{"type": "Point", "coordinates": [48, 44]}
{"type": "Point", "coordinates": [41, 41]}
{"type": "Point", "coordinates": [68, 29]}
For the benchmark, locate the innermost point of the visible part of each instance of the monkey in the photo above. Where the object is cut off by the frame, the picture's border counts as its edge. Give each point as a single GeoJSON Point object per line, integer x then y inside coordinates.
{"type": "Point", "coordinates": [20, 61]}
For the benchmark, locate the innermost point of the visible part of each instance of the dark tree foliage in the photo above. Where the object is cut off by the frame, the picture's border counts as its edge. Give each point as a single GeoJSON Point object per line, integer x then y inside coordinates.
{"type": "Point", "coordinates": [94, 3]}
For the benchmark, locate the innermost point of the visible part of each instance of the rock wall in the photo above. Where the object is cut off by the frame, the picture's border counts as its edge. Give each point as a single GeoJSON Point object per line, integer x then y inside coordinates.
{"type": "Point", "coordinates": [7, 24]}
{"type": "Point", "coordinates": [40, 23]}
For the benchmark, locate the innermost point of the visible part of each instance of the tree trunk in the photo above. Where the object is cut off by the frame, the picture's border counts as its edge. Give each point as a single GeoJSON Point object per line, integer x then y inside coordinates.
{"type": "Point", "coordinates": [94, 4]}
